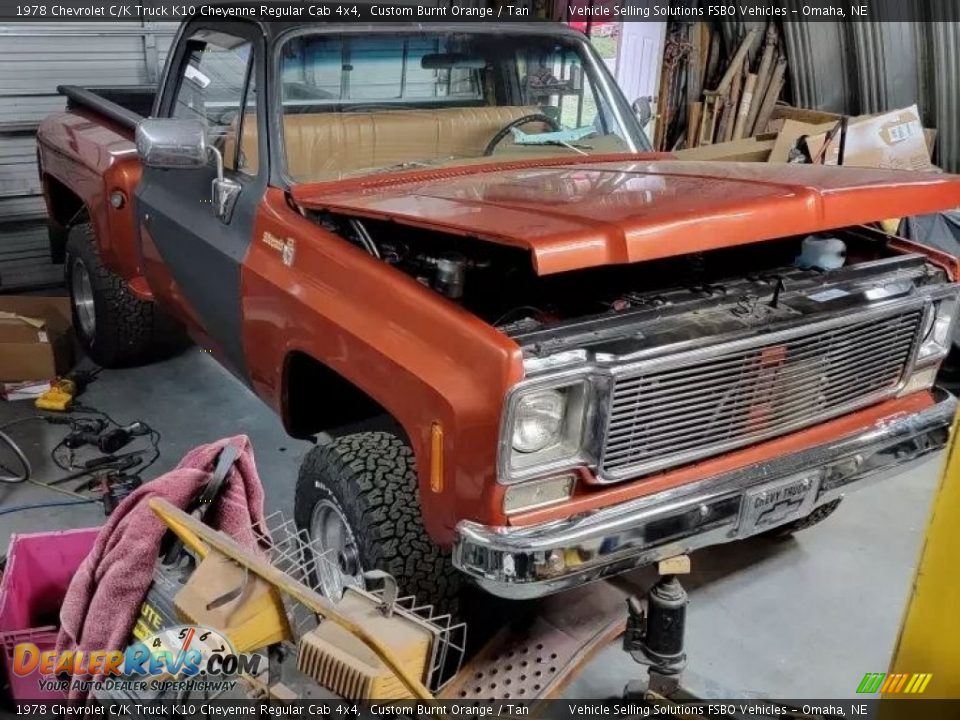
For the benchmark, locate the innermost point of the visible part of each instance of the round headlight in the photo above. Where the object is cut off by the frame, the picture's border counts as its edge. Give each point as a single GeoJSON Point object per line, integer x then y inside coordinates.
{"type": "Point", "coordinates": [538, 421]}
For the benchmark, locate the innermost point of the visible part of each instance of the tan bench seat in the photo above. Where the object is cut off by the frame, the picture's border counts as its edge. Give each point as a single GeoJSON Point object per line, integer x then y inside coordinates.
{"type": "Point", "coordinates": [326, 145]}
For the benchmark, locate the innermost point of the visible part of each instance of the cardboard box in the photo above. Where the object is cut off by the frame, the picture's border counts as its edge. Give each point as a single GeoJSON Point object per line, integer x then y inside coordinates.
{"type": "Point", "coordinates": [36, 337]}
{"type": "Point", "coordinates": [755, 149]}
{"type": "Point", "coordinates": [791, 132]}
{"type": "Point", "coordinates": [894, 140]}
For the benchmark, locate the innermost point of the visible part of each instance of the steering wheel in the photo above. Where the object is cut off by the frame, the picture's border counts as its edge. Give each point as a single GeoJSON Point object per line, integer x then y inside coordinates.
{"type": "Point", "coordinates": [533, 117]}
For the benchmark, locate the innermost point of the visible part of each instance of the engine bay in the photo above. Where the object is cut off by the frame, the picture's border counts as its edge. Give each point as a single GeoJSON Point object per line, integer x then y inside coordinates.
{"type": "Point", "coordinates": [728, 288]}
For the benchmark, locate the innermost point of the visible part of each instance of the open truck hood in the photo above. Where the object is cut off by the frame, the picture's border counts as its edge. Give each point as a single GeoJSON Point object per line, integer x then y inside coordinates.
{"type": "Point", "coordinates": [587, 212]}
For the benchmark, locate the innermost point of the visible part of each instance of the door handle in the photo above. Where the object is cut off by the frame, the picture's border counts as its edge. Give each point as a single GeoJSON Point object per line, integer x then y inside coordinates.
{"type": "Point", "coordinates": [225, 192]}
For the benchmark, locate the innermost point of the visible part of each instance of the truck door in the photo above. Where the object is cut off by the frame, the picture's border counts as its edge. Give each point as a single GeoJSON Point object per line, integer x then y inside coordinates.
{"type": "Point", "coordinates": [191, 258]}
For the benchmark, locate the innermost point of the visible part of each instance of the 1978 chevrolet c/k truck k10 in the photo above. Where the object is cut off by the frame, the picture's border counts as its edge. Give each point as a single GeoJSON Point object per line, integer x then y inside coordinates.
{"type": "Point", "coordinates": [542, 354]}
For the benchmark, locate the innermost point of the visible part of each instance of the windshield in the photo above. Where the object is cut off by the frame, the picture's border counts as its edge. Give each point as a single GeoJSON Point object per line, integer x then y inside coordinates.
{"type": "Point", "coordinates": [355, 104]}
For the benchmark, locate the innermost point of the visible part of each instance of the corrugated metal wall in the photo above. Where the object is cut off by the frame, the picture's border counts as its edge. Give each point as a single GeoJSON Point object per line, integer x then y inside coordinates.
{"type": "Point", "coordinates": [866, 67]}
{"type": "Point", "coordinates": [943, 87]}
{"type": "Point", "coordinates": [34, 59]}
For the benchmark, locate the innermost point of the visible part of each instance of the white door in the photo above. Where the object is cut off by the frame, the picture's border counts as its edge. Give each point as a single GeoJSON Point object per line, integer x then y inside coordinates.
{"type": "Point", "coordinates": [639, 58]}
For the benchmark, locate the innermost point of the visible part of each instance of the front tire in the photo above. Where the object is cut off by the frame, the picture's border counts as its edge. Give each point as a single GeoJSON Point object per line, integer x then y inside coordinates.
{"type": "Point", "coordinates": [115, 328]}
{"type": "Point", "coordinates": [949, 375]}
{"type": "Point", "coordinates": [358, 495]}
{"type": "Point", "coordinates": [816, 517]}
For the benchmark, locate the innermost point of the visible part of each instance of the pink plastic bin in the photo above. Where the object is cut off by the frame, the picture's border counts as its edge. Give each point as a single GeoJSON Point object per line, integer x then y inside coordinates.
{"type": "Point", "coordinates": [39, 569]}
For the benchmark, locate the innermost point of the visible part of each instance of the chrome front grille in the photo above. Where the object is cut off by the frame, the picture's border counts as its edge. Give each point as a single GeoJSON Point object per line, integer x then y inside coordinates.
{"type": "Point", "coordinates": [702, 403]}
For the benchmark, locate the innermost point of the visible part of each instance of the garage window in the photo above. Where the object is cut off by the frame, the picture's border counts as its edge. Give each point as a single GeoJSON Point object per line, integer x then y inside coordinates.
{"type": "Point", "coordinates": [318, 70]}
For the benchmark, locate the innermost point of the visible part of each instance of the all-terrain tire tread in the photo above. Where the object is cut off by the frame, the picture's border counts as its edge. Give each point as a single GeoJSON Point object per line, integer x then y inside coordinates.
{"type": "Point", "coordinates": [372, 477]}
{"type": "Point", "coordinates": [817, 516]}
{"type": "Point", "coordinates": [128, 330]}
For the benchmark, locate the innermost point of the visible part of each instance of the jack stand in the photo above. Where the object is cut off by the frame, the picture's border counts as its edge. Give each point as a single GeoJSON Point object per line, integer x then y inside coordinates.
{"type": "Point", "coordinates": [654, 637]}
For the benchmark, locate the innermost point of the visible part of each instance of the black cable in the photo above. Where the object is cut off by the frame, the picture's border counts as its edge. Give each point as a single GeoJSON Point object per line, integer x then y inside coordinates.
{"type": "Point", "coordinates": [27, 470]}
{"type": "Point", "coordinates": [21, 459]}
{"type": "Point", "coordinates": [119, 462]}
{"type": "Point", "coordinates": [77, 407]}
{"type": "Point", "coordinates": [116, 462]}
{"type": "Point", "coordinates": [154, 434]}
{"type": "Point", "coordinates": [28, 418]}
{"type": "Point", "coordinates": [56, 461]}
{"type": "Point", "coordinates": [155, 443]}
{"type": "Point", "coordinates": [39, 506]}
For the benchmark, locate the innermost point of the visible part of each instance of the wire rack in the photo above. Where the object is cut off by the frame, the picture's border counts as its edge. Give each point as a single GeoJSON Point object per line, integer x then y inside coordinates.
{"type": "Point", "coordinates": [293, 552]}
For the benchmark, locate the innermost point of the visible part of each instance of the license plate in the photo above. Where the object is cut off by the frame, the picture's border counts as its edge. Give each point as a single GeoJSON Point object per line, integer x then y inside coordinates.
{"type": "Point", "coordinates": [777, 503]}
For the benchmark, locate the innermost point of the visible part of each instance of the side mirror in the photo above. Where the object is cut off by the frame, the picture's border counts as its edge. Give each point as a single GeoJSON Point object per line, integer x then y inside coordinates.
{"type": "Point", "coordinates": [643, 109]}
{"type": "Point", "coordinates": [181, 144]}
{"type": "Point", "coordinates": [171, 143]}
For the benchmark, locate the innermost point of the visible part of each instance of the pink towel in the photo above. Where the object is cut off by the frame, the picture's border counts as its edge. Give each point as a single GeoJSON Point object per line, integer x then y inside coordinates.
{"type": "Point", "coordinates": [104, 597]}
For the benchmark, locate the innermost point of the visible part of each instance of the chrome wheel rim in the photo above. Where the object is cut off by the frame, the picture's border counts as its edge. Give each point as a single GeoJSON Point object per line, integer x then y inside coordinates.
{"type": "Point", "coordinates": [81, 291]}
{"type": "Point", "coordinates": [329, 529]}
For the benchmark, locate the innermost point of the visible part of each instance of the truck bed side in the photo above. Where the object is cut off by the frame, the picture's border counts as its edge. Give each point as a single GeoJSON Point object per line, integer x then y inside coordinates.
{"type": "Point", "coordinates": [86, 155]}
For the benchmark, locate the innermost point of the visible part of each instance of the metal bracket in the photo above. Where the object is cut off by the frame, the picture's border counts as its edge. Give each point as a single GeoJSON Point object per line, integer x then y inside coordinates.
{"type": "Point", "coordinates": [225, 460]}
{"type": "Point", "coordinates": [233, 594]}
{"type": "Point", "coordinates": [389, 597]}
{"type": "Point", "coordinates": [229, 455]}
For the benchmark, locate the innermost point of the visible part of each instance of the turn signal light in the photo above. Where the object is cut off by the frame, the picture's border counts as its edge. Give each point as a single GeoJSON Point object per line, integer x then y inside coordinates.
{"type": "Point", "coordinates": [436, 457]}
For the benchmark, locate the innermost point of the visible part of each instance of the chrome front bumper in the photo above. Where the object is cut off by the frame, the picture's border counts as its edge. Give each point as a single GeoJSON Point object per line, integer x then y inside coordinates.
{"type": "Point", "coordinates": [534, 560]}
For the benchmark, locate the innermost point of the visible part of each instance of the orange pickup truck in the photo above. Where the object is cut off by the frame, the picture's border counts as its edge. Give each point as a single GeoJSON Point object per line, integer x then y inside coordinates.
{"type": "Point", "coordinates": [535, 353]}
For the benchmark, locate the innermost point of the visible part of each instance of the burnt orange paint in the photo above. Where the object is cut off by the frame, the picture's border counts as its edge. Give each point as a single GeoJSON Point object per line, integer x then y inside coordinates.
{"type": "Point", "coordinates": [424, 358]}
{"type": "Point", "coordinates": [94, 157]}
{"type": "Point", "coordinates": [139, 287]}
{"type": "Point", "coordinates": [950, 263]}
{"type": "Point", "coordinates": [593, 211]}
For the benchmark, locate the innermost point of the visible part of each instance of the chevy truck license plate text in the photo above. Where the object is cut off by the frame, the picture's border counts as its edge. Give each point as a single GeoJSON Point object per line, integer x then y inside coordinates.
{"type": "Point", "coordinates": [778, 503]}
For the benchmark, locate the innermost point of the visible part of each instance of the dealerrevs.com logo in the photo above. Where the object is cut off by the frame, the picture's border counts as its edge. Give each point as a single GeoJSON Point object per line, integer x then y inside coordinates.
{"type": "Point", "coordinates": [180, 657]}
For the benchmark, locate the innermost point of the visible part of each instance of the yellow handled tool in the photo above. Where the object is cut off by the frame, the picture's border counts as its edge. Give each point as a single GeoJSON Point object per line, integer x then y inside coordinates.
{"type": "Point", "coordinates": [59, 397]}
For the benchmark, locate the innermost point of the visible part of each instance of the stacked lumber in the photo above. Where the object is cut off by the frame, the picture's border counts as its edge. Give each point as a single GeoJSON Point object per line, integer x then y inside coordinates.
{"type": "Point", "coordinates": [709, 94]}
{"type": "Point", "coordinates": [895, 140]}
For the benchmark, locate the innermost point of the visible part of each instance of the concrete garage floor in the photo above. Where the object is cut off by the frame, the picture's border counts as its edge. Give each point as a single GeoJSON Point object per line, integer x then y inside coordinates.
{"type": "Point", "coordinates": [805, 617]}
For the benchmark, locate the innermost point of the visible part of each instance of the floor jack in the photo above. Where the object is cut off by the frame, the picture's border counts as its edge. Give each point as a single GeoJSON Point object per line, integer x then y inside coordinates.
{"type": "Point", "coordinates": [654, 636]}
